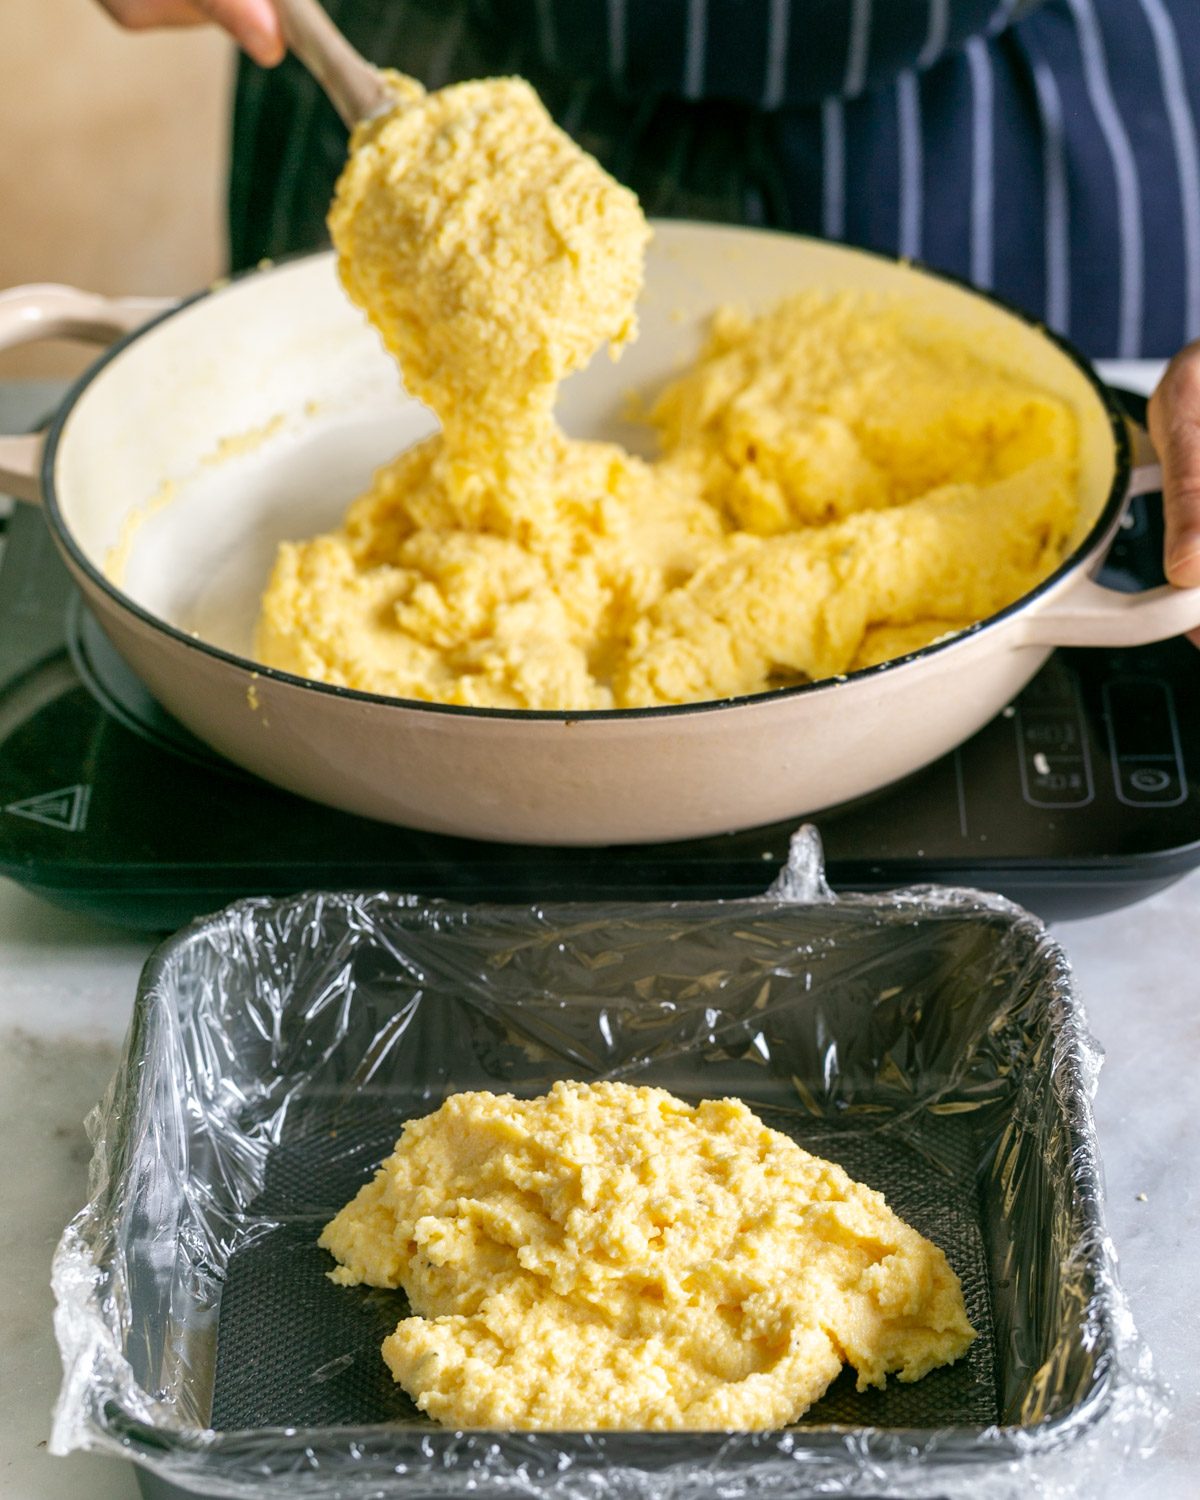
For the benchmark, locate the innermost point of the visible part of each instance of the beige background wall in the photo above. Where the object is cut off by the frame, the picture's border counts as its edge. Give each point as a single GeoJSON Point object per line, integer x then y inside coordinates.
{"type": "Point", "coordinates": [112, 157]}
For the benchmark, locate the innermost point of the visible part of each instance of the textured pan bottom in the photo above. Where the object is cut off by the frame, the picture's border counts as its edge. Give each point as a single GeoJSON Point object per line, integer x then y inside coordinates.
{"type": "Point", "coordinates": [293, 1350]}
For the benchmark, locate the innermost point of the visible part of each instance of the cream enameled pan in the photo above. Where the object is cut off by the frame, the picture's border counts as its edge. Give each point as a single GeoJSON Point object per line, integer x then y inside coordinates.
{"type": "Point", "coordinates": [258, 410]}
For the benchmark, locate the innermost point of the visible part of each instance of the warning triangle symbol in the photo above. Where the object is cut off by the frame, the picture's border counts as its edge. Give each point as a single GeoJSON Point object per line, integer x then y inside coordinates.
{"type": "Point", "coordinates": [66, 807]}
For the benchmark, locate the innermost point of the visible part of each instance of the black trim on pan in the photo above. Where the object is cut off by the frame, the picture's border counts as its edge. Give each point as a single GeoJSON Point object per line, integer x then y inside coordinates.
{"type": "Point", "coordinates": [1106, 518]}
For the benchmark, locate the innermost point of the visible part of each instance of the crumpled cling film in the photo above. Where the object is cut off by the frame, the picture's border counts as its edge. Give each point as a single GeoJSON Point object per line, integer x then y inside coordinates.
{"type": "Point", "coordinates": [930, 1037]}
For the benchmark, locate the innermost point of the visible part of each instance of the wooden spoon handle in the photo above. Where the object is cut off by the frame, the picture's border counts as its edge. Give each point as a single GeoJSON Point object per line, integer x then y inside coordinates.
{"type": "Point", "coordinates": [355, 89]}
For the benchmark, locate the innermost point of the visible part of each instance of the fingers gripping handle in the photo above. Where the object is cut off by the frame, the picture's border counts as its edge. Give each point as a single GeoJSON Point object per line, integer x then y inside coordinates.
{"type": "Point", "coordinates": [1088, 614]}
{"type": "Point", "coordinates": [31, 313]}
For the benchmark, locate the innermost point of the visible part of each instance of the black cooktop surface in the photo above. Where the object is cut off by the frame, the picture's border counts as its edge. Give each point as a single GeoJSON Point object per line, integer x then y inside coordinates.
{"type": "Point", "coordinates": [1082, 795]}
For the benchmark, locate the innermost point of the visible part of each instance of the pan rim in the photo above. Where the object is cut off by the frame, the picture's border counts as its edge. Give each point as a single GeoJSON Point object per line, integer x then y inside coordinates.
{"type": "Point", "coordinates": [1094, 539]}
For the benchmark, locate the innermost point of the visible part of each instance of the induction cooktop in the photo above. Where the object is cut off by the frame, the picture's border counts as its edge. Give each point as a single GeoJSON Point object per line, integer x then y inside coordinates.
{"type": "Point", "coordinates": [1082, 795]}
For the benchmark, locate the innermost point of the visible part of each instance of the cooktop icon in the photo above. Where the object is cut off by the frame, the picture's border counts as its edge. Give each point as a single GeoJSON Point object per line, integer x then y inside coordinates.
{"type": "Point", "coordinates": [65, 808]}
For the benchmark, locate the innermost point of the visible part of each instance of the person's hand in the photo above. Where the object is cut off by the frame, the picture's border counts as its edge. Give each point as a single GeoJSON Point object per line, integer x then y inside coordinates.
{"type": "Point", "coordinates": [253, 24]}
{"type": "Point", "coordinates": [1174, 421]}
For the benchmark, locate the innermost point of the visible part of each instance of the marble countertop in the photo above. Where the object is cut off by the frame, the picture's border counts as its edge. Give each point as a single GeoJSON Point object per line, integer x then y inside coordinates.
{"type": "Point", "coordinates": [67, 984]}
{"type": "Point", "coordinates": [65, 993]}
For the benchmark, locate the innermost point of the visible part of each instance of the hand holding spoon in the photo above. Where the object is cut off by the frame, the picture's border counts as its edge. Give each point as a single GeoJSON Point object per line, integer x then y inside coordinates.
{"type": "Point", "coordinates": [356, 89]}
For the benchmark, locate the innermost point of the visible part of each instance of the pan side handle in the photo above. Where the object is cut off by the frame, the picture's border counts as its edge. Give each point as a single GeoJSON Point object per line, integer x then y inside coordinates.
{"type": "Point", "coordinates": [31, 313]}
{"type": "Point", "coordinates": [1088, 614]}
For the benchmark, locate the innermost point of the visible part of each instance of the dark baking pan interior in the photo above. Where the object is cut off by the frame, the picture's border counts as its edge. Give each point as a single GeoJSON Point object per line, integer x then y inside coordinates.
{"type": "Point", "coordinates": [929, 1044]}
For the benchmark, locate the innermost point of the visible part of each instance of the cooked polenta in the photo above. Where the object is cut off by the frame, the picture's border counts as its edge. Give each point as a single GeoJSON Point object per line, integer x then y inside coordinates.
{"type": "Point", "coordinates": [611, 1257]}
{"type": "Point", "coordinates": [840, 479]}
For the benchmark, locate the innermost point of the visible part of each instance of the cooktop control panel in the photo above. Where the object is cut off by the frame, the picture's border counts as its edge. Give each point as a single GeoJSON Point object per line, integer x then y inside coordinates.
{"type": "Point", "coordinates": [1082, 794]}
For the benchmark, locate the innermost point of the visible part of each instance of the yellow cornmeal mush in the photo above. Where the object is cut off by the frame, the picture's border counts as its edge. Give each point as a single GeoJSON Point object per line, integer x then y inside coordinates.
{"type": "Point", "coordinates": [841, 481]}
{"type": "Point", "coordinates": [609, 1256]}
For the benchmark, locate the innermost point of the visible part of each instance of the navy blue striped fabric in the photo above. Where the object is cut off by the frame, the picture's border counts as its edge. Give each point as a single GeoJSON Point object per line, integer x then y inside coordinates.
{"type": "Point", "coordinates": [1019, 181]}
{"type": "Point", "coordinates": [827, 47]}
{"type": "Point", "coordinates": [1047, 149]}
{"type": "Point", "coordinates": [948, 138]}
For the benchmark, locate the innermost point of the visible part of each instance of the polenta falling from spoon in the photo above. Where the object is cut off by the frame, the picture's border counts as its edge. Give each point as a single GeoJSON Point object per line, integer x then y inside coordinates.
{"type": "Point", "coordinates": [501, 564]}
{"type": "Point", "coordinates": [490, 252]}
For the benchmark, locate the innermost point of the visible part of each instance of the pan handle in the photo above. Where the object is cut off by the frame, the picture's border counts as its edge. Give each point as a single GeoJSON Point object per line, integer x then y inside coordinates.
{"type": "Point", "coordinates": [1088, 614]}
{"type": "Point", "coordinates": [31, 313]}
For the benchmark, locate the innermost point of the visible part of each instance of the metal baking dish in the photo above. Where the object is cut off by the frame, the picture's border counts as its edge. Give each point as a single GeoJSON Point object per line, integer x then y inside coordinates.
{"type": "Point", "coordinates": [929, 1040]}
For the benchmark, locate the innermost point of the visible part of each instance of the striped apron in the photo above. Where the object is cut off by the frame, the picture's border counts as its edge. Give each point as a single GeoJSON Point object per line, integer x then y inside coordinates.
{"type": "Point", "coordinates": [1047, 150]}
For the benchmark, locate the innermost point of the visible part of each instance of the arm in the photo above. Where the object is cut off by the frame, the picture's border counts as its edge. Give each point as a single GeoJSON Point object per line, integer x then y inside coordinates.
{"type": "Point", "coordinates": [1174, 420]}
{"type": "Point", "coordinates": [252, 23]}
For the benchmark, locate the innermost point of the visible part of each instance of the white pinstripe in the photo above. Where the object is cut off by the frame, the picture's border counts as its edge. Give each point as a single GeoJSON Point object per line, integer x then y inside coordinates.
{"type": "Point", "coordinates": [697, 37]}
{"type": "Point", "coordinates": [616, 37]}
{"type": "Point", "coordinates": [859, 50]}
{"type": "Point", "coordinates": [291, 167]}
{"type": "Point", "coordinates": [1002, 17]}
{"type": "Point", "coordinates": [833, 169]}
{"type": "Point", "coordinates": [912, 194]}
{"type": "Point", "coordinates": [1129, 195]}
{"type": "Point", "coordinates": [982, 152]}
{"type": "Point", "coordinates": [754, 208]}
{"type": "Point", "coordinates": [935, 36]}
{"type": "Point", "coordinates": [1057, 204]}
{"type": "Point", "coordinates": [777, 44]}
{"type": "Point", "coordinates": [383, 41]}
{"type": "Point", "coordinates": [440, 64]}
{"type": "Point", "coordinates": [546, 30]}
{"type": "Point", "coordinates": [571, 117]}
{"type": "Point", "coordinates": [1187, 152]}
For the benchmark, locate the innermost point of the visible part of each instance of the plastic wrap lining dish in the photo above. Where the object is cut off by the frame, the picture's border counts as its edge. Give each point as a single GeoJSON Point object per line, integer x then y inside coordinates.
{"type": "Point", "coordinates": [928, 1040]}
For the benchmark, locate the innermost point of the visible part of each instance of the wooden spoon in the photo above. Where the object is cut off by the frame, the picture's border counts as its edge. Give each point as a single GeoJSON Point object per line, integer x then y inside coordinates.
{"type": "Point", "coordinates": [356, 89]}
